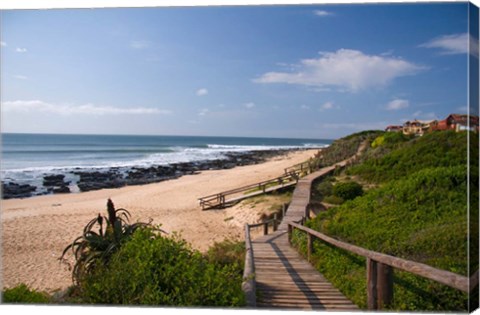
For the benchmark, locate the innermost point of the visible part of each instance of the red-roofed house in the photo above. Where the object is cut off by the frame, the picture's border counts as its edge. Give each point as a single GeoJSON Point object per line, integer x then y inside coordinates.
{"type": "Point", "coordinates": [394, 128]}
{"type": "Point", "coordinates": [462, 122]}
{"type": "Point", "coordinates": [458, 122]}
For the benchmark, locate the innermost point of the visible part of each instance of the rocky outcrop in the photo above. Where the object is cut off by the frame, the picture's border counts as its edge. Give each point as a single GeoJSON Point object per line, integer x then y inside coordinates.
{"type": "Point", "coordinates": [116, 177]}
{"type": "Point", "coordinates": [14, 190]}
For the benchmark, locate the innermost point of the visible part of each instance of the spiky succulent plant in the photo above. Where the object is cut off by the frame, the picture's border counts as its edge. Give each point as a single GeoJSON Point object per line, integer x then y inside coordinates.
{"type": "Point", "coordinates": [94, 247]}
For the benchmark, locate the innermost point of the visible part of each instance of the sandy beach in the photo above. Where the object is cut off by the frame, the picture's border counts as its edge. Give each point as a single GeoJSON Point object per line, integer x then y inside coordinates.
{"type": "Point", "coordinates": [37, 229]}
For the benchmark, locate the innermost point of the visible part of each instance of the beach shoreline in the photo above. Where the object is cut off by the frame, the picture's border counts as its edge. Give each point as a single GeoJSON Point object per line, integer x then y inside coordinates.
{"type": "Point", "coordinates": [37, 229]}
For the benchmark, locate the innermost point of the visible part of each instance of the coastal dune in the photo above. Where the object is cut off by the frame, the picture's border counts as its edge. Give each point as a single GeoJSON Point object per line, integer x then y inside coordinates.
{"type": "Point", "coordinates": [37, 229]}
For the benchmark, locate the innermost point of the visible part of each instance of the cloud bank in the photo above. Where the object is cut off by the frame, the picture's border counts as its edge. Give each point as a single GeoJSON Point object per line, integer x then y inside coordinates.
{"type": "Point", "coordinates": [36, 106]}
{"type": "Point", "coordinates": [450, 44]}
{"type": "Point", "coordinates": [346, 69]}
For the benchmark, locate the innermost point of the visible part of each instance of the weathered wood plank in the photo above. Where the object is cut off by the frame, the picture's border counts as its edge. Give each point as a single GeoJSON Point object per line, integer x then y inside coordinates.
{"type": "Point", "coordinates": [285, 279]}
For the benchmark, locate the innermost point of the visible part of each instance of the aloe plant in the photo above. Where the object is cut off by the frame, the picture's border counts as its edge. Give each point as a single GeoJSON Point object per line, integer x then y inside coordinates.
{"type": "Point", "coordinates": [97, 246]}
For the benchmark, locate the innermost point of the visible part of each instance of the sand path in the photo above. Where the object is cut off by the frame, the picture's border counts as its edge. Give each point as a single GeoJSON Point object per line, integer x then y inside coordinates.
{"type": "Point", "coordinates": [35, 230]}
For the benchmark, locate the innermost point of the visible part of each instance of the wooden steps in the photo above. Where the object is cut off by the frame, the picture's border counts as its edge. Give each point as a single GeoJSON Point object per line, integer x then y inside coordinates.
{"type": "Point", "coordinates": [285, 280]}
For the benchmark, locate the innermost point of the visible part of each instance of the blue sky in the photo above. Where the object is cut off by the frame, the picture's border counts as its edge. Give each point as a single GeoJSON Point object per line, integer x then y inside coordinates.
{"type": "Point", "coordinates": [301, 71]}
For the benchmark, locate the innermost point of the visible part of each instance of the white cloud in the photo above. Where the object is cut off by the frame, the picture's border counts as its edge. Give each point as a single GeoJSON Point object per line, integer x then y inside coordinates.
{"type": "Point", "coordinates": [20, 77]}
{"type": "Point", "coordinates": [87, 109]}
{"type": "Point", "coordinates": [249, 105]}
{"type": "Point", "coordinates": [139, 44]}
{"type": "Point", "coordinates": [346, 69]}
{"type": "Point", "coordinates": [3, 44]}
{"type": "Point", "coordinates": [304, 107]}
{"type": "Point", "coordinates": [21, 50]}
{"type": "Point", "coordinates": [201, 92]}
{"type": "Point", "coordinates": [327, 105]}
{"type": "Point", "coordinates": [453, 44]}
{"type": "Point", "coordinates": [322, 13]}
{"type": "Point", "coordinates": [397, 104]}
{"type": "Point", "coordinates": [203, 112]}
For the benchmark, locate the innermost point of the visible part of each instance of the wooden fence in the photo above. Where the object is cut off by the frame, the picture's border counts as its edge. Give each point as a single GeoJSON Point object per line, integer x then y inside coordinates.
{"type": "Point", "coordinates": [380, 268]}
{"type": "Point", "coordinates": [249, 284]}
{"type": "Point", "coordinates": [220, 199]}
{"type": "Point", "coordinates": [305, 167]}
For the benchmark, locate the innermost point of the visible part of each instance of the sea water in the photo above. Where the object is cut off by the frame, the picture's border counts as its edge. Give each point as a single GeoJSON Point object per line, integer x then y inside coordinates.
{"type": "Point", "coordinates": [26, 158]}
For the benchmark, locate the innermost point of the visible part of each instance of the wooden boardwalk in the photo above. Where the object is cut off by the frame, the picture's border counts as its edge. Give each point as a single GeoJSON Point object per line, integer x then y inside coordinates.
{"type": "Point", "coordinates": [285, 280]}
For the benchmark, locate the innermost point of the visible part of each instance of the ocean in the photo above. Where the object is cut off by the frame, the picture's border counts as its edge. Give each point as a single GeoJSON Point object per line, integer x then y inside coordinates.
{"type": "Point", "coordinates": [26, 158]}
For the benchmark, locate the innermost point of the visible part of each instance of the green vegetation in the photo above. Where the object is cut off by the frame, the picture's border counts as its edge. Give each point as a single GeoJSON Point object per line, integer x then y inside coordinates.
{"type": "Point", "coordinates": [137, 265]}
{"type": "Point", "coordinates": [344, 148]}
{"type": "Point", "coordinates": [417, 210]}
{"type": "Point", "coordinates": [22, 294]}
{"type": "Point", "coordinates": [401, 158]}
{"type": "Point", "coordinates": [228, 252]}
{"type": "Point", "coordinates": [347, 190]}
{"type": "Point", "coordinates": [154, 270]}
{"type": "Point", "coordinates": [93, 247]}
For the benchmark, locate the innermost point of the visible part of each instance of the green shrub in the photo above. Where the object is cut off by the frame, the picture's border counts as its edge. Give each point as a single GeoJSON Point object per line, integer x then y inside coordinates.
{"type": "Point", "coordinates": [92, 247]}
{"type": "Point", "coordinates": [151, 269]}
{"type": "Point", "coordinates": [378, 142]}
{"type": "Point", "coordinates": [23, 294]}
{"type": "Point", "coordinates": [334, 200]}
{"type": "Point", "coordinates": [347, 190]}
{"type": "Point", "coordinates": [321, 189]}
{"type": "Point", "coordinates": [227, 252]}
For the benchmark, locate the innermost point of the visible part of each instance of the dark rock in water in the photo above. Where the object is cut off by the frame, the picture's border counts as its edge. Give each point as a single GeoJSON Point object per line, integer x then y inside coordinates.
{"type": "Point", "coordinates": [61, 190]}
{"type": "Point", "coordinates": [53, 182]}
{"type": "Point", "coordinates": [100, 180]}
{"type": "Point", "coordinates": [14, 190]}
{"type": "Point", "coordinates": [116, 177]}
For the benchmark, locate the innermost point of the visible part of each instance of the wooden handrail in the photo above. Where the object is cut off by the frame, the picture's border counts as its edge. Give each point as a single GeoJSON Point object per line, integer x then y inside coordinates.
{"type": "Point", "coordinates": [219, 198]}
{"type": "Point", "coordinates": [250, 186]}
{"type": "Point", "coordinates": [249, 284]}
{"type": "Point", "coordinates": [442, 276]}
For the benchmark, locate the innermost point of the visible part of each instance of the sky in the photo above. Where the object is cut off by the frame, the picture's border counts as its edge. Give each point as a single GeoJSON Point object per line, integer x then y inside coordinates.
{"type": "Point", "coordinates": [296, 71]}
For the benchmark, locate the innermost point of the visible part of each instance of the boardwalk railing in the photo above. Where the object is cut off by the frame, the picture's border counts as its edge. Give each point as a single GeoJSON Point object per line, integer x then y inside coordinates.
{"type": "Point", "coordinates": [305, 167]}
{"type": "Point", "coordinates": [219, 199]}
{"type": "Point", "coordinates": [249, 284]}
{"type": "Point", "coordinates": [380, 268]}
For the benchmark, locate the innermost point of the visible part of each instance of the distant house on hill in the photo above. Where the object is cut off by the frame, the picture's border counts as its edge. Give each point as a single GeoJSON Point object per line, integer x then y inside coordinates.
{"type": "Point", "coordinates": [418, 127]}
{"type": "Point", "coordinates": [462, 122]}
{"type": "Point", "coordinates": [458, 123]}
{"type": "Point", "coordinates": [393, 128]}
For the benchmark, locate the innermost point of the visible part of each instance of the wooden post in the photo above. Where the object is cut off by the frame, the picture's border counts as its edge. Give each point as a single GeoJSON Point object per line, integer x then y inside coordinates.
{"type": "Point", "coordinates": [265, 228]}
{"type": "Point", "coordinates": [284, 209]}
{"type": "Point", "coordinates": [274, 222]}
{"type": "Point", "coordinates": [384, 285]}
{"type": "Point", "coordinates": [290, 230]}
{"type": "Point", "coordinates": [309, 246]}
{"type": "Point", "coordinates": [307, 212]}
{"type": "Point", "coordinates": [371, 284]}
